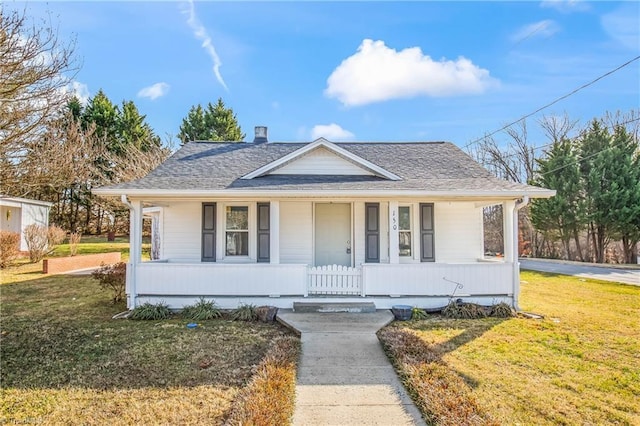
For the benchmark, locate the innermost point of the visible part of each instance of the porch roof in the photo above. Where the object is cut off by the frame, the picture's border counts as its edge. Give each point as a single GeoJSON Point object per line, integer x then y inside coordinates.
{"type": "Point", "coordinates": [437, 168]}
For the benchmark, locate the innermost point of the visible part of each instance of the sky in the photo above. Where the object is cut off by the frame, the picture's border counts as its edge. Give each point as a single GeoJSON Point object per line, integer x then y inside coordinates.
{"type": "Point", "coordinates": [357, 71]}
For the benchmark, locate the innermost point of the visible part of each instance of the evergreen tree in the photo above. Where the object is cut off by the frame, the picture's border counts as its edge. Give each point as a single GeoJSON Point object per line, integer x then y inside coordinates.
{"type": "Point", "coordinates": [560, 217]}
{"type": "Point", "coordinates": [215, 123]}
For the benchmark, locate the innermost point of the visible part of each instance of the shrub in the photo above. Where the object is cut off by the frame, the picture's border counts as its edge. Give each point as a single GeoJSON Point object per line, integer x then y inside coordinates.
{"type": "Point", "coordinates": [151, 311]}
{"type": "Point", "coordinates": [244, 312]}
{"type": "Point", "coordinates": [113, 277]}
{"type": "Point", "coordinates": [42, 240]}
{"type": "Point", "coordinates": [269, 397]}
{"type": "Point", "coordinates": [74, 240]}
{"type": "Point", "coordinates": [502, 310]}
{"type": "Point", "coordinates": [464, 311]}
{"type": "Point", "coordinates": [9, 247]}
{"type": "Point", "coordinates": [418, 314]}
{"type": "Point", "coordinates": [201, 310]}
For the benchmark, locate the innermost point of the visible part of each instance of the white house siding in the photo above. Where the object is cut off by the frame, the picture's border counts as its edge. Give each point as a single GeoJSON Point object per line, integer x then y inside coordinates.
{"type": "Point", "coordinates": [321, 162]}
{"type": "Point", "coordinates": [183, 231]}
{"type": "Point", "coordinates": [358, 245]}
{"type": "Point", "coordinates": [23, 214]}
{"type": "Point", "coordinates": [458, 232]}
{"type": "Point", "coordinates": [296, 232]}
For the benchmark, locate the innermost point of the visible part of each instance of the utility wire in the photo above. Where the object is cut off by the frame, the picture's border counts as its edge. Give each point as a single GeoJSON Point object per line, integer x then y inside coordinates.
{"type": "Point", "coordinates": [580, 160]}
{"type": "Point", "coordinates": [553, 102]}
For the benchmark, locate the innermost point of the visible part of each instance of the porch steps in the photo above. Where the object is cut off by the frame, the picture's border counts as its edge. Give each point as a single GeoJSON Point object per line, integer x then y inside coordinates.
{"type": "Point", "coordinates": [359, 307]}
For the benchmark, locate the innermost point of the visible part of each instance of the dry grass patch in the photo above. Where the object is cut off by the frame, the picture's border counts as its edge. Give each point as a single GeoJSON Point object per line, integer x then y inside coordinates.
{"type": "Point", "coordinates": [580, 365]}
{"type": "Point", "coordinates": [270, 396]}
{"type": "Point", "coordinates": [64, 361]}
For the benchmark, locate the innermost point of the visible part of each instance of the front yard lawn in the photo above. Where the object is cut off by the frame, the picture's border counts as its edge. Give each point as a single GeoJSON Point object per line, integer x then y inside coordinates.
{"type": "Point", "coordinates": [579, 365]}
{"type": "Point", "coordinates": [65, 361]}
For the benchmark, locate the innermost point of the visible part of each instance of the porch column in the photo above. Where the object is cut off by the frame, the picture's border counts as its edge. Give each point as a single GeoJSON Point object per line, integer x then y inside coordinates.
{"type": "Point", "coordinates": [274, 238]}
{"type": "Point", "coordinates": [135, 248]}
{"type": "Point", "coordinates": [394, 240]}
{"type": "Point", "coordinates": [510, 238]}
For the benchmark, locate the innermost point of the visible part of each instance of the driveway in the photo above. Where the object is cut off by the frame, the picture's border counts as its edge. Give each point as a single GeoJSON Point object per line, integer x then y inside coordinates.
{"type": "Point", "coordinates": [618, 274]}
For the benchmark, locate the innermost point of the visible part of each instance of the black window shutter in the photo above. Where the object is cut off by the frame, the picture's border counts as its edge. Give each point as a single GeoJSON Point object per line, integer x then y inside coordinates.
{"type": "Point", "coordinates": [264, 238]}
{"type": "Point", "coordinates": [208, 232]}
{"type": "Point", "coordinates": [372, 232]}
{"type": "Point", "coordinates": [427, 248]}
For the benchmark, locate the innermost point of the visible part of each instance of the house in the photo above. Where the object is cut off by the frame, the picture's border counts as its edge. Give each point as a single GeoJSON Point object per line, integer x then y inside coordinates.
{"type": "Point", "coordinates": [275, 223]}
{"type": "Point", "coordinates": [18, 213]}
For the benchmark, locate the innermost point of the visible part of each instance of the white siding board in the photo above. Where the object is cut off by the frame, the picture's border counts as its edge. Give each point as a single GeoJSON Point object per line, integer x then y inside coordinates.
{"type": "Point", "coordinates": [358, 233]}
{"type": "Point", "coordinates": [321, 162]}
{"type": "Point", "coordinates": [458, 232]}
{"type": "Point", "coordinates": [296, 232]}
{"type": "Point", "coordinates": [182, 226]}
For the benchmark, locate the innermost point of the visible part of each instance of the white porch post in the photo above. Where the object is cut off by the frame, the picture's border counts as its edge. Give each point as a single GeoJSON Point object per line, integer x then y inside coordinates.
{"type": "Point", "coordinates": [394, 241]}
{"type": "Point", "coordinates": [508, 231]}
{"type": "Point", "coordinates": [135, 248]}
{"type": "Point", "coordinates": [274, 238]}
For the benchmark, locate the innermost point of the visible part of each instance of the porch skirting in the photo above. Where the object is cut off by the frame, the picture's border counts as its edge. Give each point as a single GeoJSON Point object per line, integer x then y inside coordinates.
{"type": "Point", "coordinates": [426, 285]}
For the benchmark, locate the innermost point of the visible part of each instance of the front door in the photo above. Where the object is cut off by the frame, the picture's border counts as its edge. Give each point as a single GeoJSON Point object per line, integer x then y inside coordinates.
{"type": "Point", "coordinates": [333, 234]}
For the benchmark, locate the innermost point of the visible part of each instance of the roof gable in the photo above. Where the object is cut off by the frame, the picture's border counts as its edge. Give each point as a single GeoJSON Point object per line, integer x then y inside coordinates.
{"type": "Point", "coordinates": [322, 157]}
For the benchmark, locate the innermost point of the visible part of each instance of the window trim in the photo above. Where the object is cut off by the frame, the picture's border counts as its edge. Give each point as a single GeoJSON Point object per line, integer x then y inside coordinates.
{"type": "Point", "coordinates": [252, 232]}
{"type": "Point", "coordinates": [411, 231]}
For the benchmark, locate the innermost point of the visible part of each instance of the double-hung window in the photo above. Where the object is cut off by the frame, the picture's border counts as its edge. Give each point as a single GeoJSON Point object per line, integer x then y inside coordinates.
{"type": "Point", "coordinates": [237, 231]}
{"type": "Point", "coordinates": [404, 228]}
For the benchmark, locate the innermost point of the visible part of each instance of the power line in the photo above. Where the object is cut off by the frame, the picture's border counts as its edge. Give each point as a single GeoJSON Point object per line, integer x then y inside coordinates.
{"type": "Point", "coordinates": [553, 102]}
{"type": "Point", "coordinates": [578, 161]}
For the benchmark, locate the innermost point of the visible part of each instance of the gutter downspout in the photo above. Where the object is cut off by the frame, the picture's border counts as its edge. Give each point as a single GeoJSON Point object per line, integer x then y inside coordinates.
{"type": "Point", "coordinates": [131, 269]}
{"type": "Point", "coordinates": [516, 255]}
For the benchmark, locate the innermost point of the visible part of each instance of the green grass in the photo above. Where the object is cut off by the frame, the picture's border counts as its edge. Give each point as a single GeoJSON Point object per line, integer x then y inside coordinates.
{"type": "Point", "coordinates": [63, 360]}
{"type": "Point", "coordinates": [579, 365]}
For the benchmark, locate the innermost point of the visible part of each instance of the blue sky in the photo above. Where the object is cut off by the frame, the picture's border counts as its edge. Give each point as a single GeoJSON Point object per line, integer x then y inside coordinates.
{"type": "Point", "coordinates": [357, 71]}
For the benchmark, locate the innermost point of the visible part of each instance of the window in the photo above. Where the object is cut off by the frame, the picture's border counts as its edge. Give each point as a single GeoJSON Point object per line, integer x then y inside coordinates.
{"type": "Point", "coordinates": [404, 228]}
{"type": "Point", "coordinates": [237, 231]}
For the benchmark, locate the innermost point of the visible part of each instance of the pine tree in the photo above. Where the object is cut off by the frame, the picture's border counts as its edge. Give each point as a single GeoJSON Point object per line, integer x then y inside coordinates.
{"type": "Point", "coordinates": [215, 123]}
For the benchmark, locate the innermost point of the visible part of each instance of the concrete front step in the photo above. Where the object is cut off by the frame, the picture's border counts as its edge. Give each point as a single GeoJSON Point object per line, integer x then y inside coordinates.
{"type": "Point", "coordinates": [312, 307]}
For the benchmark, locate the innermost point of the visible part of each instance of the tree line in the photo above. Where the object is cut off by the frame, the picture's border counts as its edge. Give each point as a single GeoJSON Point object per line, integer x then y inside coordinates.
{"type": "Point", "coordinates": [56, 148]}
{"type": "Point", "coordinates": [596, 174]}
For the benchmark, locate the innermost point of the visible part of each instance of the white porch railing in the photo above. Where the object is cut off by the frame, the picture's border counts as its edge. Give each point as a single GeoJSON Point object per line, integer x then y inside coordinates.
{"type": "Point", "coordinates": [335, 280]}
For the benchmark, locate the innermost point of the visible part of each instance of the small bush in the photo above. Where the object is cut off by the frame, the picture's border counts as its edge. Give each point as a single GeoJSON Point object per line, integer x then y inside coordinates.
{"type": "Point", "coordinates": [269, 397]}
{"type": "Point", "coordinates": [502, 310]}
{"type": "Point", "coordinates": [42, 240]}
{"type": "Point", "coordinates": [418, 314]}
{"type": "Point", "coordinates": [201, 310]}
{"type": "Point", "coordinates": [113, 277]}
{"type": "Point", "coordinates": [9, 247]}
{"type": "Point", "coordinates": [244, 312]}
{"type": "Point", "coordinates": [74, 240]}
{"type": "Point", "coordinates": [464, 311]}
{"type": "Point", "coordinates": [151, 311]}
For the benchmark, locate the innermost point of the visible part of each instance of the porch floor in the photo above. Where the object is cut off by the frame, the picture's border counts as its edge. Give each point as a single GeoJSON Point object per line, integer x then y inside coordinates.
{"type": "Point", "coordinates": [344, 377]}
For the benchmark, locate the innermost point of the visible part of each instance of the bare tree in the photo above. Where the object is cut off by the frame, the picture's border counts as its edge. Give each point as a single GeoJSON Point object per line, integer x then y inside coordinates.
{"type": "Point", "coordinates": [35, 70]}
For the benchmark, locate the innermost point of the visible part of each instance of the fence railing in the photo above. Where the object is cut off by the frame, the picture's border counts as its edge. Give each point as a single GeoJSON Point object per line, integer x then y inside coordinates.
{"type": "Point", "coordinates": [335, 280]}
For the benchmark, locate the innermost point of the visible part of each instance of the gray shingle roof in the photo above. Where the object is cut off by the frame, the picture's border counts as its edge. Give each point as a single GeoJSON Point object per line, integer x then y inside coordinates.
{"type": "Point", "coordinates": [424, 166]}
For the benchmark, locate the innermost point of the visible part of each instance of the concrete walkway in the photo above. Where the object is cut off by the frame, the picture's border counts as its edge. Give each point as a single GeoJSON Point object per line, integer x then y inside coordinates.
{"type": "Point", "coordinates": [344, 377]}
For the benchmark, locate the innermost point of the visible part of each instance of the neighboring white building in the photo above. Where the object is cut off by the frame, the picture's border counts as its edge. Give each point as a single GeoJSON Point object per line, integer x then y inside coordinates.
{"type": "Point", "coordinates": [275, 223]}
{"type": "Point", "coordinates": [18, 213]}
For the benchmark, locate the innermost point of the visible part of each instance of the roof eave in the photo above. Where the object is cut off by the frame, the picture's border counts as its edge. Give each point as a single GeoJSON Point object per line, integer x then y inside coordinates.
{"type": "Point", "coordinates": [200, 193]}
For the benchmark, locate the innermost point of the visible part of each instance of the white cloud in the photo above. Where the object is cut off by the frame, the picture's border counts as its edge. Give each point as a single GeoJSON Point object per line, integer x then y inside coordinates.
{"type": "Point", "coordinates": [623, 25]}
{"type": "Point", "coordinates": [545, 28]}
{"type": "Point", "coordinates": [77, 89]}
{"type": "Point", "coordinates": [200, 32]}
{"type": "Point", "coordinates": [154, 91]}
{"type": "Point", "coordinates": [332, 132]}
{"type": "Point", "coordinates": [378, 73]}
{"type": "Point", "coordinates": [566, 6]}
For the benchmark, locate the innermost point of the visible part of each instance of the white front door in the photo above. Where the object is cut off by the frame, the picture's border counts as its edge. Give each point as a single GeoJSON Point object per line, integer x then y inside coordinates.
{"type": "Point", "coordinates": [333, 234]}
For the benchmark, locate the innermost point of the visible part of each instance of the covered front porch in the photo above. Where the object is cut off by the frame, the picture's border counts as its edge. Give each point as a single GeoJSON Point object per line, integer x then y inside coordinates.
{"type": "Point", "coordinates": [381, 253]}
